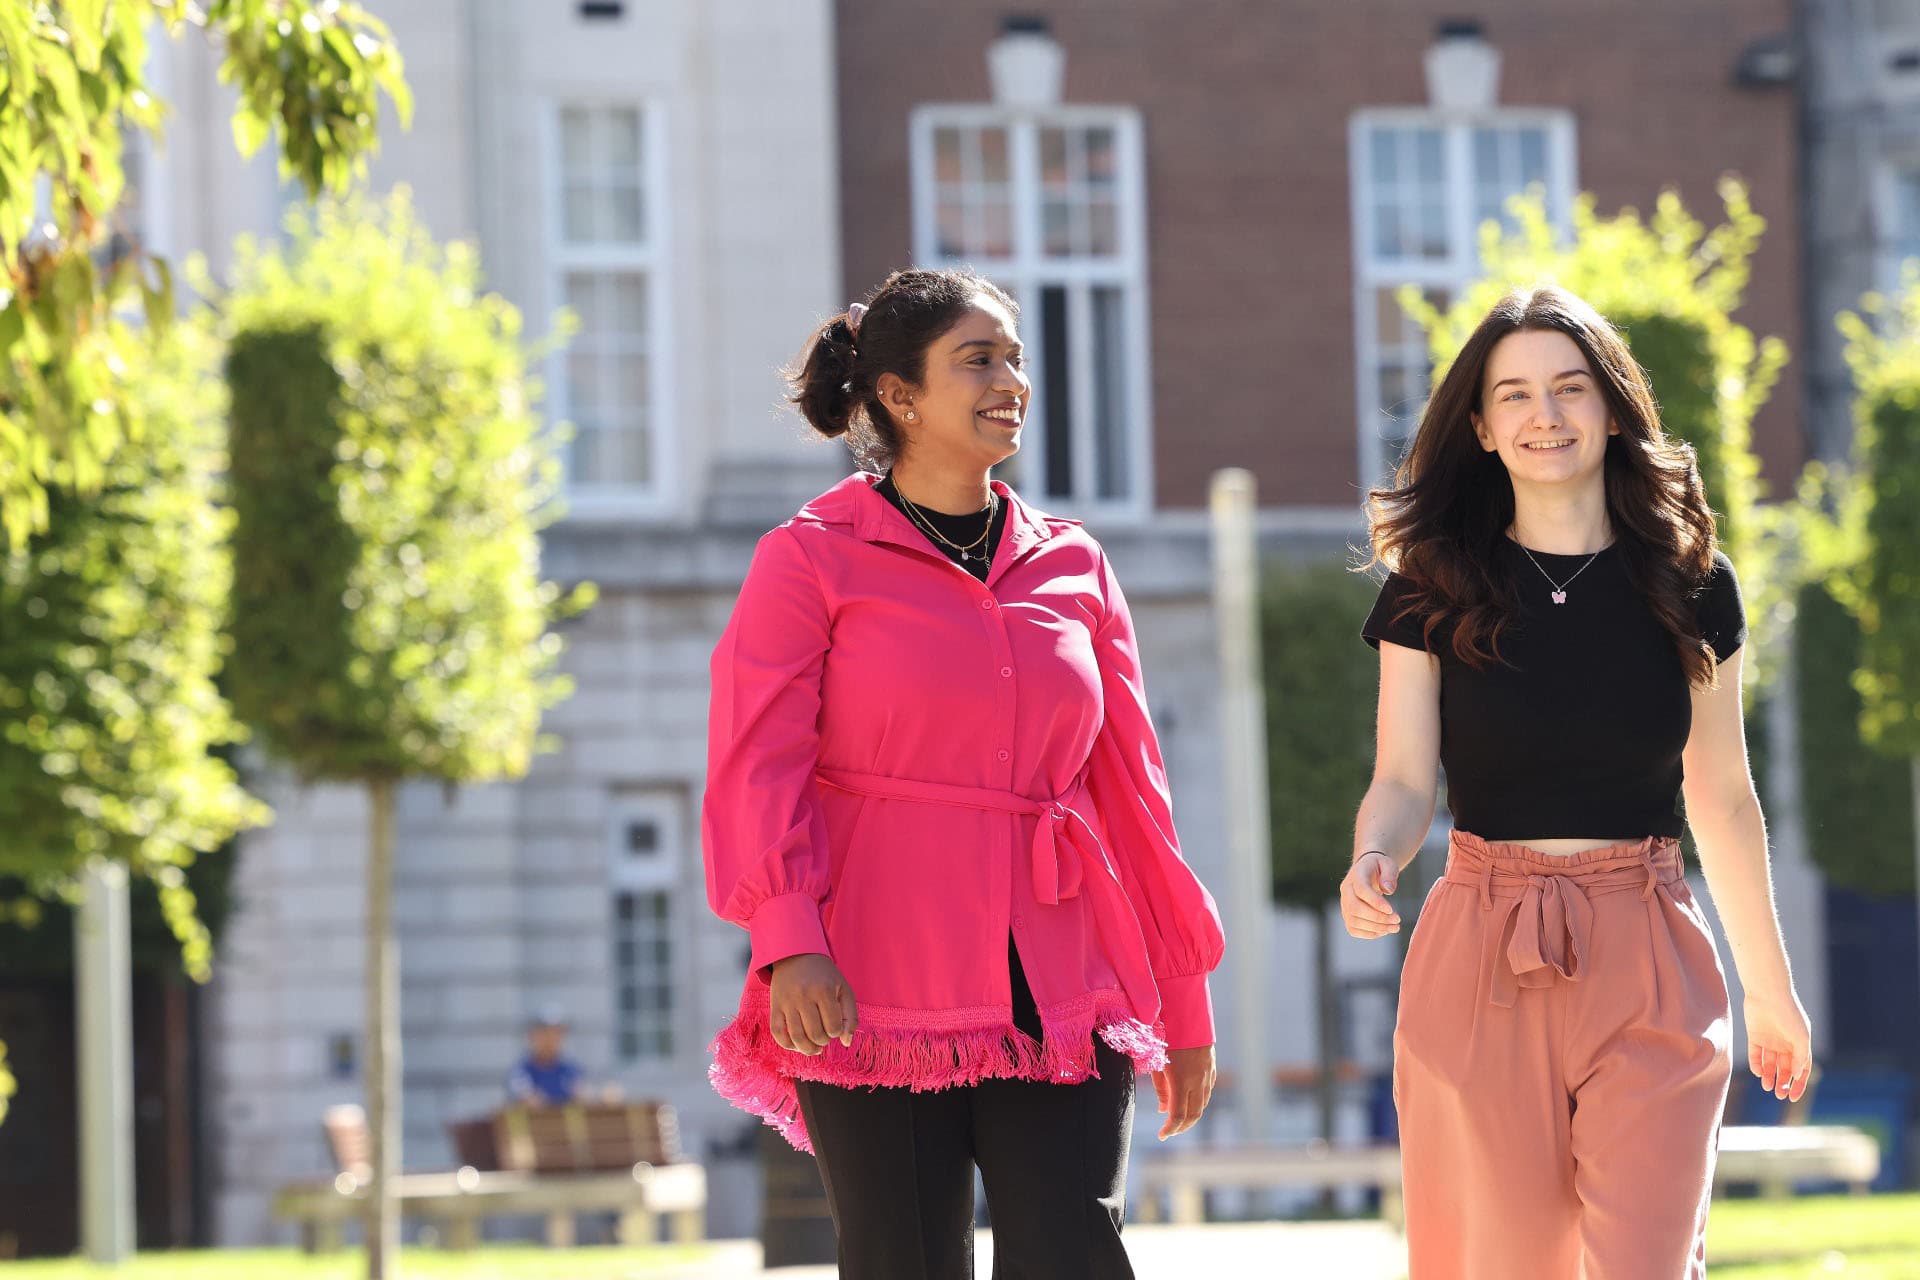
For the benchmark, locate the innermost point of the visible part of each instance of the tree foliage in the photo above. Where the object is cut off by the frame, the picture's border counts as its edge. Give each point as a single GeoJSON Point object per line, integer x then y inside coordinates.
{"type": "Point", "coordinates": [1320, 684]}
{"type": "Point", "coordinates": [1880, 582]}
{"type": "Point", "coordinates": [72, 87]}
{"type": "Point", "coordinates": [111, 639]}
{"type": "Point", "coordinates": [1859, 805]}
{"type": "Point", "coordinates": [390, 478]}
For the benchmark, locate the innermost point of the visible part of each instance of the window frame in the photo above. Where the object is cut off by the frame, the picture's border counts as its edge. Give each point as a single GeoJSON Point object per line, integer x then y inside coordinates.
{"type": "Point", "coordinates": [651, 258]}
{"type": "Point", "coordinates": [665, 877]}
{"type": "Point", "coordinates": [1027, 270]}
{"type": "Point", "coordinates": [1460, 267]}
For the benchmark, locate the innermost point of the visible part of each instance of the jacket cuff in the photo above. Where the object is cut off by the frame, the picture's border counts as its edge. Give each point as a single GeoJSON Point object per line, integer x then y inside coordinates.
{"type": "Point", "coordinates": [785, 925]}
{"type": "Point", "coordinates": [1186, 1009]}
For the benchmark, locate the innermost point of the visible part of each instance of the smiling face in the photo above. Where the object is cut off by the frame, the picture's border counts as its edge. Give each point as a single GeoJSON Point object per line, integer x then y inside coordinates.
{"type": "Point", "coordinates": [1542, 410]}
{"type": "Point", "coordinates": [972, 401]}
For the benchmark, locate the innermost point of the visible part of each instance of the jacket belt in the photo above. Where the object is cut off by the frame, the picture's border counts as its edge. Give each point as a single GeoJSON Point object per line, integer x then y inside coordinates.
{"type": "Point", "coordinates": [1066, 857]}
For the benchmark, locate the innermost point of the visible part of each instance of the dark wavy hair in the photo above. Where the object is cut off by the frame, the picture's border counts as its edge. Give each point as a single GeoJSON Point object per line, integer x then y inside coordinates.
{"type": "Point", "coordinates": [1441, 523]}
{"type": "Point", "coordinates": [835, 381]}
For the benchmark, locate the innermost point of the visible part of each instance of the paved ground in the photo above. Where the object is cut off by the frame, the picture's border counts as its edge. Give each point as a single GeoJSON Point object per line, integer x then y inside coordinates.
{"type": "Point", "coordinates": [1340, 1250]}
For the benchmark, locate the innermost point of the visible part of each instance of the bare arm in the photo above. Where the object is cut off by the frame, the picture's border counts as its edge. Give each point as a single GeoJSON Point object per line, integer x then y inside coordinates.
{"type": "Point", "coordinates": [1731, 834]}
{"type": "Point", "coordinates": [1398, 807]}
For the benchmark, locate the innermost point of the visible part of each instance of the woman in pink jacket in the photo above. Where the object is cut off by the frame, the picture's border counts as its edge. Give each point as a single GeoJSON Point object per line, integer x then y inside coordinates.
{"type": "Point", "coordinates": [936, 803]}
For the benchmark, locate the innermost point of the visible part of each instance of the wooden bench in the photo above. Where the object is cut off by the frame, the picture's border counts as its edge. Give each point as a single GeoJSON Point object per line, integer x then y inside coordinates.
{"type": "Point", "coordinates": [1186, 1176]}
{"type": "Point", "coordinates": [1775, 1157]}
{"type": "Point", "coordinates": [557, 1162]}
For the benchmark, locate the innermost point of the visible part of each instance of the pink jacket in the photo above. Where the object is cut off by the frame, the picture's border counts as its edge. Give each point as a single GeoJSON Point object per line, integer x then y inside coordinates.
{"type": "Point", "coordinates": [904, 765]}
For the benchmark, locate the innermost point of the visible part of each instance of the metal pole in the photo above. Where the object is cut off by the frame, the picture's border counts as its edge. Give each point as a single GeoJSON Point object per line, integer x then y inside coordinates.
{"type": "Point", "coordinates": [1243, 727]}
{"type": "Point", "coordinates": [103, 982]}
{"type": "Point", "coordinates": [383, 1041]}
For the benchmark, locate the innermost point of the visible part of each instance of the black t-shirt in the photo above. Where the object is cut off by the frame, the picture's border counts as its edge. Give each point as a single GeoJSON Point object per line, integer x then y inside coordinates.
{"type": "Point", "coordinates": [958, 529]}
{"type": "Point", "coordinates": [1579, 732]}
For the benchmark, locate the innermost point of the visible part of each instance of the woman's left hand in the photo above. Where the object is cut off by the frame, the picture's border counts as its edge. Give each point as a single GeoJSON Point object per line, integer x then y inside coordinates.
{"type": "Point", "coordinates": [1184, 1087]}
{"type": "Point", "coordinates": [1779, 1043]}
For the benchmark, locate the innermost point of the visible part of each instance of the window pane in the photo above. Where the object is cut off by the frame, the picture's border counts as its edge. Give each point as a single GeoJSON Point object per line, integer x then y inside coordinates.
{"type": "Point", "coordinates": [1904, 234]}
{"type": "Point", "coordinates": [1426, 144]}
{"type": "Point", "coordinates": [1110, 423]}
{"type": "Point", "coordinates": [1056, 408]}
{"type": "Point", "coordinates": [1433, 230]}
{"type": "Point", "coordinates": [623, 140]}
{"type": "Point", "coordinates": [993, 155]}
{"type": "Point", "coordinates": [1101, 164]}
{"type": "Point", "coordinates": [1486, 156]}
{"type": "Point", "coordinates": [623, 214]}
{"type": "Point", "coordinates": [1380, 149]}
{"type": "Point", "coordinates": [578, 204]}
{"type": "Point", "coordinates": [946, 155]}
{"type": "Point", "coordinates": [1533, 156]}
{"type": "Point", "coordinates": [996, 230]}
{"type": "Point", "coordinates": [1387, 240]}
{"type": "Point", "coordinates": [631, 376]}
{"type": "Point", "coordinates": [583, 294]}
{"type": "Point", "coordinates": [643, 977]}
{"type": "Point", "coordinates": [1056, 228]}
{"type": "Point", "coordinates": [1053, 158]}
{"type": "Point", "coordinates": [583, 384]}
{"type": "Point", "coordinates": [628, 314]}
{"type": "Point", "coordinates": [602, 197]}
{"type": "Point", "coordinates": [576, 147]}
{"type": "Point", "coordinates": [1103, 230]}
{"type": "Point", "coordinates": [584, 464]}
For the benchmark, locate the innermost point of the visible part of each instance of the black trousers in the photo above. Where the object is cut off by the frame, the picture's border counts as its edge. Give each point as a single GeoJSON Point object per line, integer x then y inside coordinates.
{"type": "Point", "coordinates": [898, 1168]}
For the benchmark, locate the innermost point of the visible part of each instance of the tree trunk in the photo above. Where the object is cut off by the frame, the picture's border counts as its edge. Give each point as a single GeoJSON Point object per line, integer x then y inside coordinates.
{"type": "Point", "coordinates": [383, 1041]}
{"type": "Point", "coordinates": [1913, 783]}
{"type": "Point", "coordinates": [1329, 1016]}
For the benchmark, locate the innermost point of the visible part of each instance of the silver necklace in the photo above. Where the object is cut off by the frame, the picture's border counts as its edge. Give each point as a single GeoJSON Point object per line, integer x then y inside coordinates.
{"type": "Point", "coordinates": [1559, 588]}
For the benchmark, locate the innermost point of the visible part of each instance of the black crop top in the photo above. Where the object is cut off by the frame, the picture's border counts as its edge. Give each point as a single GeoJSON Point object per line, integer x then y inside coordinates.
{"type": "Point", "coordinates": [1579, 733]}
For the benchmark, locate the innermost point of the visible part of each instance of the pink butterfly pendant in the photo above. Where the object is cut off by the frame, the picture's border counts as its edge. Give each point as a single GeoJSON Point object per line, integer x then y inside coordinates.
{"type": "Point", "coordinates": [1559, 597]}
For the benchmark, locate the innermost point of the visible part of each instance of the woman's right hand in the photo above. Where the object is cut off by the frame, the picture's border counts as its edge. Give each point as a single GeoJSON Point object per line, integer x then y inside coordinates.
{"type": "Point", "coordinates": [1363, 896]}
{"type": "Point", "coordinates": [812, 1004]}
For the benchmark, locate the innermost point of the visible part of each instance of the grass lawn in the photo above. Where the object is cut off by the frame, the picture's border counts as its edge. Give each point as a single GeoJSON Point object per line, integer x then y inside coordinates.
{"type": "Point", "coordinates": [494, 1262]}
{"type": "Point", "coordinates": [1855, 1237]}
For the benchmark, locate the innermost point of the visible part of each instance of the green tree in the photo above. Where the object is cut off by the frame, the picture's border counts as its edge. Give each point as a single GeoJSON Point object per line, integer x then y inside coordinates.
{"type": "Point", "coordinates": [1321, 683]}
{"type": "Point", "coordinates": [111, 638]}
{"type": "Point", "coordinates": [72, 84]}
{"type": "Point", "coordinates": [1858, 801]}
{"type": "Point", "coordinates": [1879, 580]}
{"type": "Point", "coordinates": [391, 476]}
{"type": "Point", "coordinates": [1672, 287]}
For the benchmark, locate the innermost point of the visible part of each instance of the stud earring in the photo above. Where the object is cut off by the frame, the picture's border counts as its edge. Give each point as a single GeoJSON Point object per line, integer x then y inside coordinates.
{"type": "Point", "coordinates": [912, 416]}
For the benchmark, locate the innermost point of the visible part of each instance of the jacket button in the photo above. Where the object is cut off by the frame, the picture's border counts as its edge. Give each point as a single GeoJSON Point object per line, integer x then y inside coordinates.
{"type": "Point", "coordinates": [986, 604]}
{"type": "Point", "coordinates": [1003, 753]}
{"type": "Point", "coordinates": [1006, 671]}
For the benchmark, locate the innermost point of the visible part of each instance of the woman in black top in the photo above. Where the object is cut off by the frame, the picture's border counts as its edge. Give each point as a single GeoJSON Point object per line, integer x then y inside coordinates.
{"type": "Point", "coordinates": [1560, 633]}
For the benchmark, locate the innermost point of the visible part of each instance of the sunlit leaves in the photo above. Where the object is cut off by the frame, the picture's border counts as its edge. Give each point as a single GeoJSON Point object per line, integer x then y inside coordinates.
{"type": "Point", "coordinates": [72, 81]}
{"type": "Point", "coordinates": [111, 636]}
{"type": "Point", "coordinates": [390, 479]}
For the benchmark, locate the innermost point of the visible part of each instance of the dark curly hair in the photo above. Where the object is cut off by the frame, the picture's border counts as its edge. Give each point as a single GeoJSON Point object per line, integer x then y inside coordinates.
{"type": "Point", "coordinates": [835, 381]}
{"type": "Point", "coordinates": [1440, 524]}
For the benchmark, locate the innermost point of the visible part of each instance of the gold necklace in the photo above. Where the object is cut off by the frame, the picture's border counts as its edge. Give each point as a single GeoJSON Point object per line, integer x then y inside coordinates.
{"type": "Point", "coordinates": [967, 552]}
